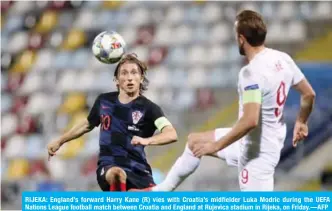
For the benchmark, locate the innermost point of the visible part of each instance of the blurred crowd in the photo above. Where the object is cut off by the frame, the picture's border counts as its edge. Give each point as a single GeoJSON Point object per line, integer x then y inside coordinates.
{"type": "Point", "coordinates": [50, 78]}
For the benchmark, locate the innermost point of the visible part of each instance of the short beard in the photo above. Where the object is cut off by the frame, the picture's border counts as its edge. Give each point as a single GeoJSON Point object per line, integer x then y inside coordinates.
{"type": "Point", "coordinates": [241, 50]}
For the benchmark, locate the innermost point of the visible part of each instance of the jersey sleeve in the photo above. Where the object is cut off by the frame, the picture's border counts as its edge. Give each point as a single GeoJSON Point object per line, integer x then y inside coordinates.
{"type": "Point", "coordinates": [158, 117]}
{"type": "Point", "coordinates": [251, 87]}
{"type": "Point", "coordinates": [297, 73]}
{"type": "Point", "coordinates": [93, 117]}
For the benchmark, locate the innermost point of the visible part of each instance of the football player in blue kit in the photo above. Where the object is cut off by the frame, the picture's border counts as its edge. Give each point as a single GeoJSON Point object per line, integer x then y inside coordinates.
{"type": "Point", "coordinates": [128, 122]}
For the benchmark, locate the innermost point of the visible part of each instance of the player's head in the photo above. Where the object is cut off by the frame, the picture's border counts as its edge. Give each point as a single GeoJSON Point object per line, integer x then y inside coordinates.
{"type": "Point", "coordinates": [130, 75]}
{"type": "Point", "coordinates": [250, 30]}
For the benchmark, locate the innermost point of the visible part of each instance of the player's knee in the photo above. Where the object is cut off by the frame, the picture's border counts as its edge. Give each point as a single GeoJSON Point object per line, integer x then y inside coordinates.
{"type": "Point", "coordinates": [191, 140]}
{"type": "Point", "coordinates": [116, 174]}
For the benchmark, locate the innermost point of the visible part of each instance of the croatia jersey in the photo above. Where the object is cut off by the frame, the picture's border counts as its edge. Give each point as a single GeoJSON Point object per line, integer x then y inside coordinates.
{"type": "Point", "coordinates": [118, 124]}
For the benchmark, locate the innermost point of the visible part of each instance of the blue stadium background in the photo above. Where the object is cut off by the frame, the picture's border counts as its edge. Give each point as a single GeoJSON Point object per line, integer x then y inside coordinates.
{"type": "Point", "coordinates": [49, 80]}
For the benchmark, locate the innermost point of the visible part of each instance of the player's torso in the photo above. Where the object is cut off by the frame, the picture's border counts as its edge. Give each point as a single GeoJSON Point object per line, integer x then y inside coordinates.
{"type": "Point", "coordinates": [118, 124]}
{"type": "Point", "coordinates": [276, 77]}
{"type": "Point", "coordinates": [125, 119]}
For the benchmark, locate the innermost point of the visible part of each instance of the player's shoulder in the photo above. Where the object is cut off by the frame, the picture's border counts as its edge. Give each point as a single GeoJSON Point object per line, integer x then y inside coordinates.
{"type": "Point", "coordinates": [109, 96]}
{"type": "Point", "coordinates": [280, 54]}
{"type": "Point", "coordinates": [247, 71]}
{"type": "Point", "coordinates": [251, 73]}
{"type": "Point", "coordinates": [147, 102]}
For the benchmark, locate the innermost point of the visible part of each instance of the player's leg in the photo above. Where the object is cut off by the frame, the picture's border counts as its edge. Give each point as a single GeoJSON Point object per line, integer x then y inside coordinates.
{"type": "Point", "coordinates": [116, 176]}
{"type": "Point", "coordinates": [187, 163]}
{"type": "Point", "coordinates": [256, 176]}
{"type": "Point", "coordinates": [110, 177]}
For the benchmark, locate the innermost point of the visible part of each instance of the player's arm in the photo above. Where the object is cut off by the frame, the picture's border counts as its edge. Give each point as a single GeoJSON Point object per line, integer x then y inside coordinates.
{"type": "Point", "coordinates": [300, 83]}
{"type": "Point", "coordinates": [252, 99]}
{"type": "Point", "coordinates": [251, 90]}
{"type": "Point", "coordinates": [307, 100]}
{"type": "Point", "coordinates": [77, 131]}
{"type": "Point", "coordinates": [167, 133]}
{"type": "Point", "coordinates": [248, 121]}
{"type": "Point", "coordinates": [306, 106]}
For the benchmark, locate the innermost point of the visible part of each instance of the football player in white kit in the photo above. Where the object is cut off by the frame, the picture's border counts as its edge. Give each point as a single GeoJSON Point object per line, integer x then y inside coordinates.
{"type": "Point", "coordinates": [254, 143]}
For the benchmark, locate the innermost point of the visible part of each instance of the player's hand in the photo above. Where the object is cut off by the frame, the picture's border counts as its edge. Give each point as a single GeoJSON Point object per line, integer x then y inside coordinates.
{"type": "Point", "coordinates": [140, 141]}
{"type": "Point", "coordinates": [300, 132]}
{"type": "Point", "coordinates": [206, 148]}
{"type": "Point", "coordinates": [52, 148]}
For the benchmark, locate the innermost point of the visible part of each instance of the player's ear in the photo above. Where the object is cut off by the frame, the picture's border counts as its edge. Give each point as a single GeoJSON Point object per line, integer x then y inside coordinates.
{"type": "Point", "coordinates": [242, 39]}
{"type": "Point", "coordinates": [116, 81]}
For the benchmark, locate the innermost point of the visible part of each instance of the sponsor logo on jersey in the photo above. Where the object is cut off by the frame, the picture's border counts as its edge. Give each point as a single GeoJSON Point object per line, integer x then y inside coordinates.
{"type": "Point", "coordinates": [104, 107]}
{"type": "Point", "coordinates": [251, 87]}
{"type": "Point", "coordinates": [132, 128]}
{"type": "Point", "coordinates": [137, 115]}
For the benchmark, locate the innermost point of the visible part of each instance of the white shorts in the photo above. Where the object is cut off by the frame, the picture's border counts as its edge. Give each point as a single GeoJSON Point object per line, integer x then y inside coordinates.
{"type": "Point", "coordinates": [254, 175]}
{"type": "Point", "coordinates": [231, 153]}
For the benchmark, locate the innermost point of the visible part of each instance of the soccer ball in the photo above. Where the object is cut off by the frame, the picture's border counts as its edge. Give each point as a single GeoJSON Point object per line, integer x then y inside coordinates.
{"type": "Point", "coordinates": [108, 47]}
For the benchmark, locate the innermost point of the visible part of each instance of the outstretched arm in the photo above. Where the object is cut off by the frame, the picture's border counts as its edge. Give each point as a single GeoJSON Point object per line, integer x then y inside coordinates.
{"type": "Point", "coordinates": [248, 121]}
{"type": "Point", "coordinates": [168, 135]}
{"type": "Point", "coordinates": [74, 133]}
{"type": "Point", "coordinates": [243, 126]}
{"type": "Point", "coordinates": [93, 120]}
{"type": "Point", "coordinates": [251, 86]}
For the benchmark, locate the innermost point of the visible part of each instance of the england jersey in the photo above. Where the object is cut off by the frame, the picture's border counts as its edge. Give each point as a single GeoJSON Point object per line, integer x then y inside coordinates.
{"type": "Point", "coordinates": [270, 73]}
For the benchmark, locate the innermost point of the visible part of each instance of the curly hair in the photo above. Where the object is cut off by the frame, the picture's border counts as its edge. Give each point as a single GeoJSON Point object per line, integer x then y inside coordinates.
{"type": "Point", "coordinates": [132, 58]}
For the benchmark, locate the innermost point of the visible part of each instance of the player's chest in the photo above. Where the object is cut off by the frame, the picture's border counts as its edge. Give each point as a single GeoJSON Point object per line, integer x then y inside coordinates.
{"type": "Point", "coordinates": [119, 118]}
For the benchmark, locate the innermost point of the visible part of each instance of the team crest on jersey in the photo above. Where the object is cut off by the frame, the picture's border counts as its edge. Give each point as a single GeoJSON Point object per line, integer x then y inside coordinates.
{"type": "Point", "coordinates": [137, 115]}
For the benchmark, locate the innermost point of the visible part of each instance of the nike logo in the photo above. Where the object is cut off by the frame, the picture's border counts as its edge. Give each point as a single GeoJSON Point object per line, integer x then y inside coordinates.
{"type": "Point", "coordinates": [102, 172]}
{"type": "Point", "coordinates": [104, 107]}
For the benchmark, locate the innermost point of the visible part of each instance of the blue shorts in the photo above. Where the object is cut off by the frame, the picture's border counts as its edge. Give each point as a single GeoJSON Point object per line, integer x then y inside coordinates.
{"type": "Point", "coordinates": [135, 180]}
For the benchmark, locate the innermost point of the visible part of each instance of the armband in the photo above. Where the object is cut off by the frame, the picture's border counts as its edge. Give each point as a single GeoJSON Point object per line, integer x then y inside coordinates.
{"type": "Point", "coordinates": [252, 96]}
{"type": "Point", "coordinates": [161, 122]}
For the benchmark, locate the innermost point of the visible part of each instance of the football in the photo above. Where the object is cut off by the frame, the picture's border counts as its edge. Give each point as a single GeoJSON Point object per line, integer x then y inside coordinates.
{"type": "Point", "coordinates": [108, 47]}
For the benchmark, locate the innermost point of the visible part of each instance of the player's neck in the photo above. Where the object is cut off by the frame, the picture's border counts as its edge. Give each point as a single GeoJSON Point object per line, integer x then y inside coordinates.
{"type": "Point", "coordinates": [127, 97]}
{"type": "Point", "coordinates": [253, 51]}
